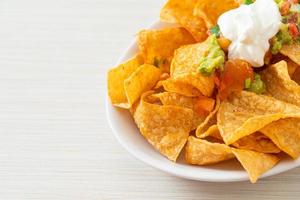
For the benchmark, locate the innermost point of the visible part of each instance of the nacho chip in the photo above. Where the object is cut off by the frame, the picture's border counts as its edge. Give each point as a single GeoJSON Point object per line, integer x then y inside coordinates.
{"type": "Point", "coordinates": [279, 84]}
{"type": "Point", "coordinates": [174, 99]}
{"type": "Point", "coordinates": [185, 89]}
{"type": "Point", "coordinates": [292, 51]}
{"type": "Point", "coordinates": [209, 121]}
{"type": "Point", "coordinates": [158, 46]}
{"type": "Point", "coordinates": [140, 81]}
{"type": "Point", "coordinates": [210, 11]}
{"type": "Point", "coordinates": [245, 112]}
{"type": "Point", "coordinates": [257, 142]}
{"type": "Point", "coordinates": [182, 12]}
{"type": "Point", "coordinates": [292, 67]}
{"type": "Point", "coordinates": [165, 127]}
{"type": "Point", "coordinates": [116, 78]}
{"type": "Point", "coordinates": [255, 163]}
{"type": "Point", "coordinates": [296, 76]}
{"type": "Point", "coordinates": [286, 135]}
{"type": "Point", "coordinates": [212, 131]}
{"type": "Point", "coordinates": [185, 64]}
{"type": "Point", "coordinates": [201, 152]}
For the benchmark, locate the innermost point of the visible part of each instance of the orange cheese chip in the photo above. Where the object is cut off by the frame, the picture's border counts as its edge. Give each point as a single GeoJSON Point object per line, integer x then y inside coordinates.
{"type": "Point", "coordinates": [201, 152]}
{"type": "Point", "coordinates": [140, 81]}
{"type": "Point", "coordinates": [158, 46]}
{"type": "Point", "coordinates": [116, 78]}
{"type": "Point", "coordinates": [286, 135]}
{"type": "Point", "coordinates": [179, 87]}
{"type": "Point", "coordinates": [211, 10]}
{"type": "Point", "coordinates": [210, 120]}
{"type": "Point", "coordinates": [255, 142]}
{"type": "Point", "coordinates": [279, 84]}
{"type": "Point", "coordinates": [174, 99]}
{"type": "Point", "coordinates": [182, 12]}
{"type": "Point", "coordinates": [244, 113]}
{"type": "Point", "coordinates": [292, 51]}
{"type": "Point", "coordinates": [165, 127]}
{"type": "Point", "coordinates": [185, 64]}
{"type": "Point", "coordinates": [255, 163]}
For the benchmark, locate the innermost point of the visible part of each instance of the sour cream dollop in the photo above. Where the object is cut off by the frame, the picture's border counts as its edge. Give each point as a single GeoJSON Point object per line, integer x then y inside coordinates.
{"type": "Point", "coordinates": [249, 28]}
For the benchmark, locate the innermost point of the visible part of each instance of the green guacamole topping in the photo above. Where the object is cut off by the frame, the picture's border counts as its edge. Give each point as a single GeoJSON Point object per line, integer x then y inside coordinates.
{"type": "Point", "coordinates": [257, 85]}
{"type": "Point", "coordinates": [214, 58]}
{"type": "Point", "coordinates": [281, 38]}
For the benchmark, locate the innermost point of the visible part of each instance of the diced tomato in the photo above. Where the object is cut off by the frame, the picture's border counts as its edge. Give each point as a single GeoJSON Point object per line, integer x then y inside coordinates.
{"type": "Point", "coordinates": [204, 105]}
{"type": "Point", "coordinates": [233, 77]}
{"type": "Point", "coordinates": [293, 1]}
{"type": "Point", "coordinates": [293, 30]}
{"type": "Point", "coordinates": [285, 8]}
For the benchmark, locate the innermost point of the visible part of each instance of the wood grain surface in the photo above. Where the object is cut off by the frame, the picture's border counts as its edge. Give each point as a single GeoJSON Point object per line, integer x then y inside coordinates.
{"type": "Point", "coordinates": [55, 142]}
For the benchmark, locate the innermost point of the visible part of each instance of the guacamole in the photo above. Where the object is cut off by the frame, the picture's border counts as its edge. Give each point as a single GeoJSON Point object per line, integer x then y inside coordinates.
{"type": "Point", "coordinates": [257, 85]}
{"type": "Point", "coordinates": [289, 31]}
{"type": "Point", "coordinates": [214, 58]}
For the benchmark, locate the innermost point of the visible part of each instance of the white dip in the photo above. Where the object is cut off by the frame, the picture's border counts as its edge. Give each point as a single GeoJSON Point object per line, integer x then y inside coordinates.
{"type": "Point", "coordinates": [249, 28]}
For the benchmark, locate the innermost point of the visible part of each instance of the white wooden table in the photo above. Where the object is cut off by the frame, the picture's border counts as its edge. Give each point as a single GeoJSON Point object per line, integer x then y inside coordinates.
{"type": "Point", "coordinates": [55, 142]}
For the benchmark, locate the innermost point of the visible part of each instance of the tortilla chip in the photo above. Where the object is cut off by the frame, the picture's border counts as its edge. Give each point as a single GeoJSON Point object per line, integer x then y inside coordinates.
{"type": "Point", "coordinates": [201, 152]}
{"type": "Point", "coordinates": [286, 135]}
{"type": "Point", "coordinates": [140, 81]}
{"type": "Point", "coordinates": [185, 89]}
{"type": "Point", "coordinates": [116, 78]}
{"type": "Point", "coordinates": [174, 99]}
{"type": "Point", "coordinates": [279, 84]}
{"type": "Point", "coordinates": [292, 51]}
{"type": "Point", "coordinates": [165, 127]}
{"type": "Point", "coordinates": [182, 12]}
{"type": "Point", "coordinates": [210, 11]}
{"type": "Point", "coordinates": [244, 113]}
{"type": "Point", "coordinates": [212, 131]}
{"type": "Point", "coordinates": [184, 68]}
{"type": "Point", "coordinates": [209, 121]}
{"type": "Point", "coordinates": [296, 76]}
{"type": "Point", "coordinates": [257, 142]}
{"type": "Point", "coordinates": [292, 67]}
{"type": "Point", "coordinates": [158, 46]}
{"type": "Point", "coordinates": [255, 163]}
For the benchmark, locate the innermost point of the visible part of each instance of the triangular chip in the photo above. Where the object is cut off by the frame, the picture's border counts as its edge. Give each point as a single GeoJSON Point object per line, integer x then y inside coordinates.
{"type": "Point", "coordinates": [244, 113]}
{"type": "Point", "coordinates": [285, 133]}
{"type": "Point", "coordinates": [279, 84]}
{"type": "Point", "coordinates": [210, 120]}
{"type": "Point", "coordinates": [255, 142]}
{"type": "Point", "coordinates": [292, 51]}
{"type": "Point", "coordinates": [116, 78]}
{"type": "Point", "coordinates": [179, 87]}
{"type": "Point", "coordinates": [211, 10]}
{"type": "Point", "coordinates": [174, 99]}
{"type": "Point", "coordinates": [185, 66]}
{"type": "Point", "coordinates": [296, 76]}
{"type": "Point", "coordinates": [158, 46]}
{"type": "Point", "coordinates": [165, 127]}
{"type": "Point", "coordinates": [201, 152]}
{"type": "Point", "coordinates": [140, 81]}
{"type": "Point", "coordinates": [182, 12]}
{"type": "Point", "coordinates": [255, 163]}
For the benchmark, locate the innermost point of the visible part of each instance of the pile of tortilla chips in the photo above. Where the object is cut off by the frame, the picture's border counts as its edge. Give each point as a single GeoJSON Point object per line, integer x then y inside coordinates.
{"type": "Point", "coordinates": [177, 108]}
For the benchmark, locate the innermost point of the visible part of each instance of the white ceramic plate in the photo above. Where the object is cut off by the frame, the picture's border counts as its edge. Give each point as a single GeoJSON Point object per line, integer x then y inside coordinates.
{"type": "Point", "coordinates": [130, 138]}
